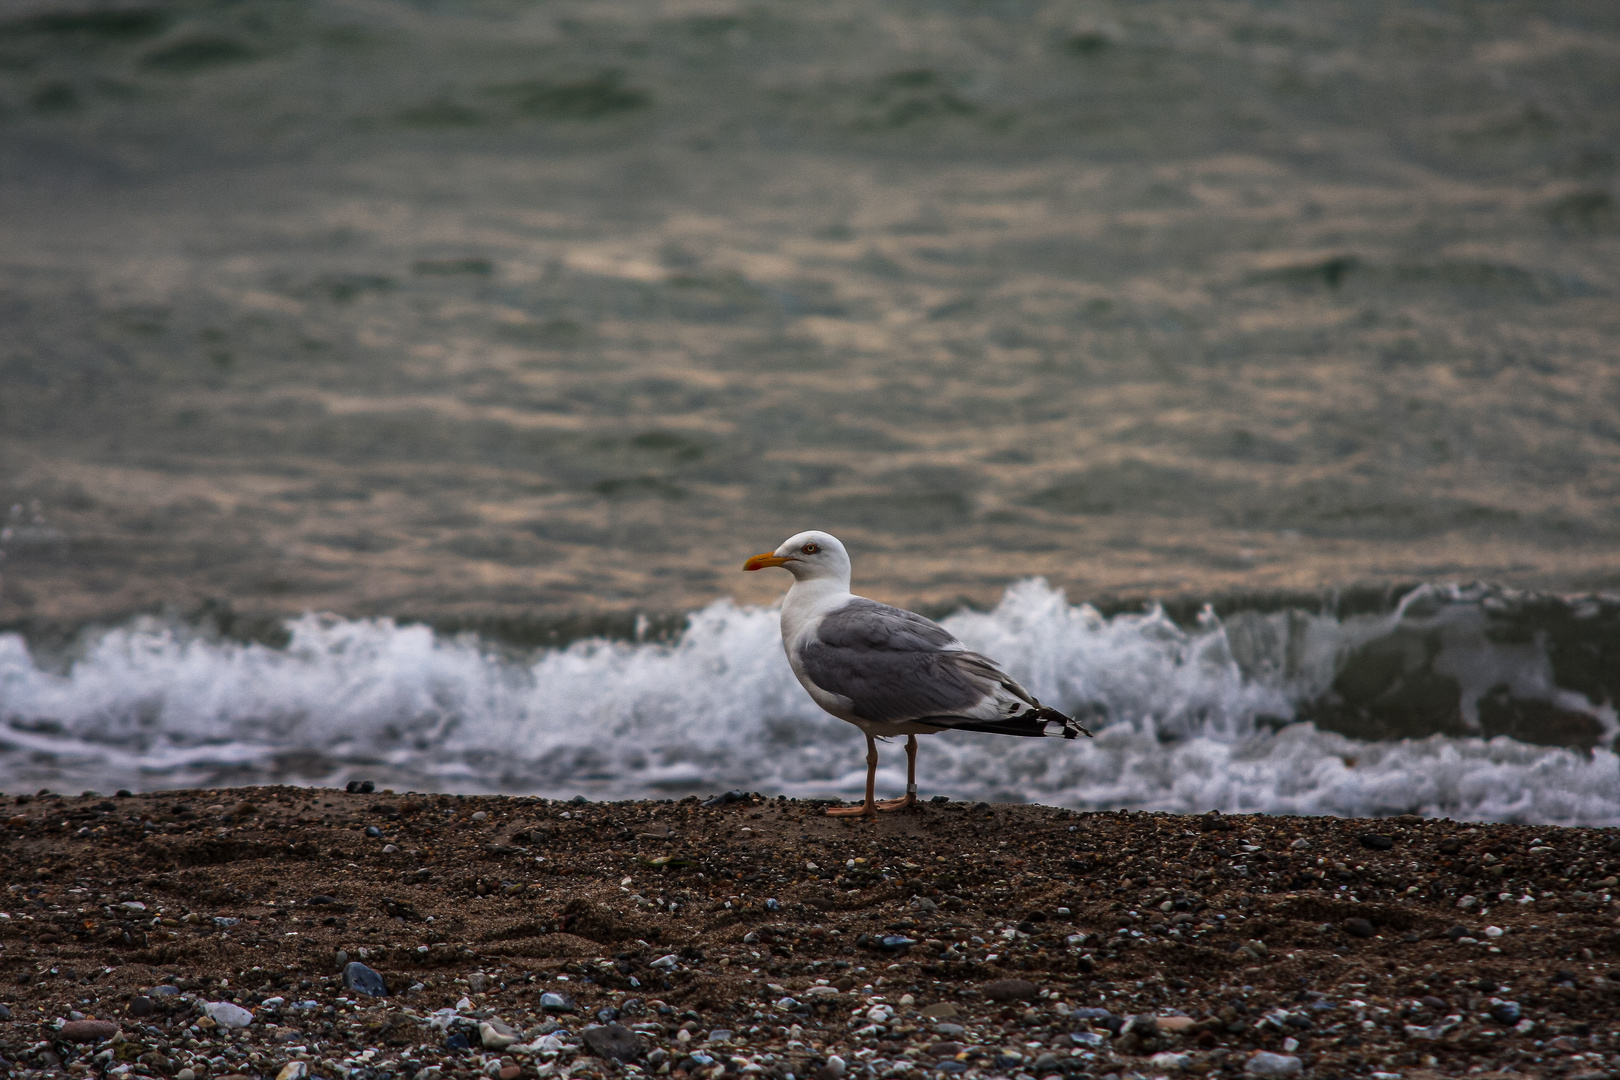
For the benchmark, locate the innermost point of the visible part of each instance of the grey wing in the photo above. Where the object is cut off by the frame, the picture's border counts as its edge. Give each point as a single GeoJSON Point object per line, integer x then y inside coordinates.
{"type": "Point", "coordinates": [895, 665]}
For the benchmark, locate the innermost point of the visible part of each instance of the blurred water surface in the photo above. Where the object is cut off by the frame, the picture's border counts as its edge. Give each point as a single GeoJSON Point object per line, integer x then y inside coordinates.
{"type": "Point", "coordinates": [501, 308]}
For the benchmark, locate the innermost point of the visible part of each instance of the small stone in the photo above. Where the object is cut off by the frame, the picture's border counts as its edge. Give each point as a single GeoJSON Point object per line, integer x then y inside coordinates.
{"type": "Point", "coordinates": [293, 1070]}
{"type": "Point", "coordinates": [896, 943]}
{"type": "Point", "coordinates": [950, 1030]}
{"type": "Point", "coordinates": [1507, 1013]}
{"type": "Point", "coordinates": [87, 1031]}
{"type": "Point", "coordinates": [477, 982]}
{"type": "Point", "coordinates": [1377, 841]}
{"type": "Point", "coordinates": [164, 990]}
{"type": "Point", "coordinates": [495, 1035]}
{"type": "Point", "coordinates": [1010, 990]}
{"type": "Point", "coordinates": [342, 959]}
{"type": "Point", "coordinates": [245, 809]}
{"type": "Point", "coordinates": [362, 980]}
{"type": "Point", "coordinates": [1169, 1062]}
{"type": "Point", "coordinates": [185, 1074]}
{"type": "Point", "coordinates": [1175, 1025]}
{"type": "Point", "coordinates": [614, 1042]}
{"type": "Point", "coordinates": [1265, 1063]}
{"type": "Point", "coordinates": [481, 815]}
{"type": "Point", "coordinates": [228, 1015]}
{"type": "Point", "coordinates": [720, 1035]}
{"type": "Point", "coordinates": [553, 1002]}
{"type": "Point", "coordinates": [1467, 902]}
{"type": "Point", "coordinates": [141, 1006]}
{"type": "Point", "coordinates": [1360, 928]}
{"type": "Point", "coordinates": [1494, 931]}
{"type": "Point", "coordinates": [5, 1013]}
{"type": "Point", "coordinates": [373, 833]}
{"type": "Point", "coordinates": [510, 1072]}
{"type": "Point", "coordinates": [941, 1010]}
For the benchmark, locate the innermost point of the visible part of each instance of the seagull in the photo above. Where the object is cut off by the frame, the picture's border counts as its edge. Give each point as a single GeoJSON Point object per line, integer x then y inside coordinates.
{"type": "Point", "coordinates": [890, 671]}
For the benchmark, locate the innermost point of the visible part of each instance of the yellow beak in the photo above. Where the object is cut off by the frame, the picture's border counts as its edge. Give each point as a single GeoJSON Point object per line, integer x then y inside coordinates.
{"type": "Point", "coordinates": [770, 558]}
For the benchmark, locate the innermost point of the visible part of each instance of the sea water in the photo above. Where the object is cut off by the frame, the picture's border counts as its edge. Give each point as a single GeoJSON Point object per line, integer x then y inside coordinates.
{"type": "Point", "coordinates": [1246, 713]}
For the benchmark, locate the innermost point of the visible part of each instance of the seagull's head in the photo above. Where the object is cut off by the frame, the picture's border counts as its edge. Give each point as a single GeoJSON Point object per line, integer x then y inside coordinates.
{"type": "Point", "coordinates": [807, 556]}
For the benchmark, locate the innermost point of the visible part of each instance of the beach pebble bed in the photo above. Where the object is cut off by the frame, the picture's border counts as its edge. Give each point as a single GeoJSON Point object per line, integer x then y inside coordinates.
{"type": "Point", "coordinates": [295, 933]}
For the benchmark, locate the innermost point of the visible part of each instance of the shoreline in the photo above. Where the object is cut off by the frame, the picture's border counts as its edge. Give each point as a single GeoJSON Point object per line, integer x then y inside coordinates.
{"type": "Point", "coordinates": [962, 939]}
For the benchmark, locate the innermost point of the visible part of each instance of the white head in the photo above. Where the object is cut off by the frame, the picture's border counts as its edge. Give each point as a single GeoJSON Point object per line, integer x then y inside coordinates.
{"type": "Point", "coordinates": [809, 556]}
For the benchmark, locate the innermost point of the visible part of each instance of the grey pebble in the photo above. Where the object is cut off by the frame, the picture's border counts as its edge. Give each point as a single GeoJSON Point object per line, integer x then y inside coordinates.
{"type": "Point", "coordinates": [363, 980]}
{"type": "Point", "coordinates": [614, 1042]}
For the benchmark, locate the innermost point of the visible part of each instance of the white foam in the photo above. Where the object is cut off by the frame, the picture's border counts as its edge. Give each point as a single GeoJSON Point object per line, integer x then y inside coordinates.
{"type": "Point", "coordinates": [153, 705]}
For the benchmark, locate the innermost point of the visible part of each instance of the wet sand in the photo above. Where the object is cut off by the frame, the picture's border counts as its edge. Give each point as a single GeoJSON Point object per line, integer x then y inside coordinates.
{"type": "Point", "coordinates": [956, 939]}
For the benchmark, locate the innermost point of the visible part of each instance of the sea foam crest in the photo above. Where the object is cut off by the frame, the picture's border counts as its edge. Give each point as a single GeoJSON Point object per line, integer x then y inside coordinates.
{"type": "Point", "coordinates": [1188, 719]}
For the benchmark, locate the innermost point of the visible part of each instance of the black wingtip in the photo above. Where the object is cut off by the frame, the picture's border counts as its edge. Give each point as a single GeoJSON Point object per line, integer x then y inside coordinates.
{"type": "Point", "coordinates": [1072, 728]}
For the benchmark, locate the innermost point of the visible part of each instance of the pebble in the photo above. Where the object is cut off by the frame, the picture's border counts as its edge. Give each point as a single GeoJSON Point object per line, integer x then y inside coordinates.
{"type": "Point", "coordinates": [1360, 928]}
{"type": "Point", "coordinates": [141, 1006]}
{"type": "Point", "coordinates": [941, 1010]}
{"type": "Point", "coordinates": [1265, 1063]}
{"type": "Point", "coordinates": [363, 980]}
{"type": "Point", "coordinates": [185, 1074]}
{"type": "Point", "coordinates": [477, 982]}
{"type": "Point", "coordinates": [1377, 841]}
{"type": "Point", "coordinates": [5, 1013]}
{"type": "Point", "coordinates": [481, 815]}
{"type": "Point", "coordinates": [1169, 1061]}
{"type": "Point", "coordinates": [228, 1015]}
{"type": "Point", "coordinates": [553, 1002]}
{"type": "Point", "coordinates": [1175, 1024]}
{"type": "Point", "coordinates": [1506, 1012]}
{"type": "Point", "coordinates": [293, 1070]}
{"type": "Point", "coordinates": [614, 1042]}
{"type": "Point", "coordinates": [1010, 990]}
{"type": "Point", "coordinates": [87, 1031]}
{"type": "Point", "coordinates": [495, 1035]}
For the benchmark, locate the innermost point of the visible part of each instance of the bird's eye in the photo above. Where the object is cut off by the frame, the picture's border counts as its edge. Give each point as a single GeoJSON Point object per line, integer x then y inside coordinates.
{"type": "Point", "coordinates": [810, 549]}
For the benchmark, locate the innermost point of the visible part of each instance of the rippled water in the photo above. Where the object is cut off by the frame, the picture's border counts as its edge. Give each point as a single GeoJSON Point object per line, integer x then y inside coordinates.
{"type": "Point", "coordinates": [535, 320]}
{"type": "Point", "coordinates": [1235, 714]}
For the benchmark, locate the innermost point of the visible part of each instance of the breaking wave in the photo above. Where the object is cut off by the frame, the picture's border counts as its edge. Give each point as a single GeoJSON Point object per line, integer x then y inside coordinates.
{"type": "Point", "coordinates": [1472, 703]}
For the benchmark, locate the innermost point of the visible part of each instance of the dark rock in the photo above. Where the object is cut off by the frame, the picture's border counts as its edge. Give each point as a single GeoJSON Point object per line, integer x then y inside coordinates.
{"type": "Point", "coordinates": [553, 1002]}
{"type": "Point", "coordinates": [726, 799]}
{"type": "Point", "coordinates": [1507, 1013]}
{"type": "Point", "coordinates": [1457, 932]}
{"type": "Point", "coordinates": [87, 1031]}
{"type": "Point", "coordinates": [362, 980]}
{"type": "Point", "coordinates": [1359, 928]}
{"type": "Point", "coordinates": [1214, 822]}
{"type": "Point", "coordinates": [614, 1042]}
{"type": "Point", "coordinates": [5, 1013]}
{"type": "Point", "coordinates": [1377, 841]}
{"type": "Point", "coordinates": [373, 832]}
{"type": "Point", "coordinates": [896, 943]}
{"type": "Point", "coordinates": [142, 1006]}
{"type": "Point", "coordinates": [607, 1014]}
{"type": "Point", "coordinates": [1432, 1002]}
{"type": "Point", "coordinates": [360, 787]}
{"type": "Point", "coordinates": [456, 1041]}
{"type": "Point", "coordinates": [1010, 990]}
{"type": "Point", "coordinates": [580, 800]}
